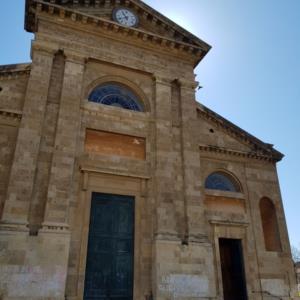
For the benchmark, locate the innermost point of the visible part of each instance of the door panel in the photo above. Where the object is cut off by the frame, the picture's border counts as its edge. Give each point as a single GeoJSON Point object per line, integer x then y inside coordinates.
{"type": "Point", "coordinates": [109, 267]}
{"type": "Point", "coordinates": [232, 265]}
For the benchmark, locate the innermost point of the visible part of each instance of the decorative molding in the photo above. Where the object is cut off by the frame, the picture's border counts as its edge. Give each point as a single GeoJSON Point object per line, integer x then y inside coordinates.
{"type": "Point", "coordinates": [73, 57]}
{"type": "Point", "coordinates": [87, 169]}
{"type": "Point", "coordinates": [162, 80]}
{"type": "Point", "coordinates": [47, 49]}
{"type": "Point", "coordinates": [147, 13]}
{"type": "Point", "coordinates": [187, 84]}
{"type": "Point", "coordinates": [261, 150]}
{"type": "Point", "coordinates": [14, 71]}
{"type": "Point", "coordinates": [11, 227]}
{"type": "Point", "coordinates": [199, 50]}
{"type": "Point", "coordinates": [229, 223]}
{"type": "Point", "coordinates": [225, 194]}
{"type": "Point", "coordinates": [60, 228]}
{"type": "Point", "coordinates": [225, 151]}
{"type": "Point", "coordinates": [91, 110]}
{"type": "Point", "coordinates": [11, 114]}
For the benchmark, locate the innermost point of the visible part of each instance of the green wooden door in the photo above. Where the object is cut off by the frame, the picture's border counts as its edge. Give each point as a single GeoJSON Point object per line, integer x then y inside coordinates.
{"type": "Point", "coordinates": [109, 267]}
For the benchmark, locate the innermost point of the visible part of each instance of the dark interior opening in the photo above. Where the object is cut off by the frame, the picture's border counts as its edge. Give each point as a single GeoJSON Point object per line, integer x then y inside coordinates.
{"type": "Point", "coordinates": [233, 272]}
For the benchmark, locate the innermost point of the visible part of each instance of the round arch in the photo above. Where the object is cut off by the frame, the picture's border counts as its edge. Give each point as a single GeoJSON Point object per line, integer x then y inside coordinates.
{"type": "Point", "coordinates": [223, 180]}
{"type": "Point", "coordinates": [269, 221]}
{"type": "Point", "coordinates": [118, 80]}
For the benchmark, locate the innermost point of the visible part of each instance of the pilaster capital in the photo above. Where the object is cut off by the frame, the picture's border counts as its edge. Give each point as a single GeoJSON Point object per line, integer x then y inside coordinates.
{"type": "Point", "coordinates": [187, 84]}
{"type": "Point", "coordinates": [162, 80]}
{"type": "Point", "coordinates": [74, 57]}
{"type": "Point", "coordinates": [44, 48]}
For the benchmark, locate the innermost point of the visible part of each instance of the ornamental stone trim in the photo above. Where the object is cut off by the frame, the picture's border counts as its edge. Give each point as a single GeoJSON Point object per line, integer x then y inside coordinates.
{"type": "Point", "coordinates": [11, 114]}
{"type": "Point", "coordinates": [221, 150]}
{"type": "Point", "coordinates": [63, 12]}
{"type": "Point", "coordinates": [260, 148]}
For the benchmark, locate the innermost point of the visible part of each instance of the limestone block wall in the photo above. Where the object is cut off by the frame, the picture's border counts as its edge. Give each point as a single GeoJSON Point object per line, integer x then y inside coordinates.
{"type": "Point", "coordinates": [8, 136]}
{"type": "Point", "coordinates": [30, 260]}
{"type": "Point", "coordinates": [151, 77]}
{"type": "Point", "coordinates": [268, 273]}
{"type": "Point", "coordinates": [13, 84]}
{"type": "Point", "coordinates": [297, 269]}
{"type": "Point", "coordinates": [184, 271]}
{"type": "Point", "coordinates": [32, 267]}
{"type": "Point", "coordinates": [46, 197]}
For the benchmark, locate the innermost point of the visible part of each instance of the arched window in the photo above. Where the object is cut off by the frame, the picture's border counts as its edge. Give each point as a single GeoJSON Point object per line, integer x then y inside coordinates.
{"type": "Point", "coordinates": [222, 181]}
{"type": "Point", "coordinates": [115, 95]}
{"type": "Point", "coordinates": [270, 225]}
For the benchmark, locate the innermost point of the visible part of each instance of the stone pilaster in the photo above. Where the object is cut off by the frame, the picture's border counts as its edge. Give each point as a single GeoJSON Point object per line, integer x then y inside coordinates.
{"type": "Point", "coordinates": [61, 174]}
{"type": "Point", "coordinates": [195, 230]}
{"type": "Point", "coordinates": [19, 192]}
{"type": "Point", "coordinates": [181, 251]}
{"type": "Point", "coordinates": [164, 165]}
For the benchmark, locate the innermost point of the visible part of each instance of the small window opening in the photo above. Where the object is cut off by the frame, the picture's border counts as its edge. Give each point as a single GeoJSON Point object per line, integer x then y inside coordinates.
{"type": "Point", "coordinates": [222, 181]}
{"type": "Point", "coordinates": [117, 95]}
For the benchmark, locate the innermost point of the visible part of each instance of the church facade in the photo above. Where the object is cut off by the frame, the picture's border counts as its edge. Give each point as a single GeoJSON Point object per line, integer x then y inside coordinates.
{"type": "Point", "coordinates": [115, 182]}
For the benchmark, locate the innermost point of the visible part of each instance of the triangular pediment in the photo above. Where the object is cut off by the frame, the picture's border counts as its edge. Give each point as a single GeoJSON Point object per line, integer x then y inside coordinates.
{"type": "Point", "coordinates": [222, 136]}
{"type": "Point", "coordinates": [152, 26]}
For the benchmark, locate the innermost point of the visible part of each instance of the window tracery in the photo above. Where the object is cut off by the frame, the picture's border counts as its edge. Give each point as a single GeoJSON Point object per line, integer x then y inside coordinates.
{"type": "Point", "coordinates": [117, 95]}
{"type": "Point", "coordinates": [222, 182]}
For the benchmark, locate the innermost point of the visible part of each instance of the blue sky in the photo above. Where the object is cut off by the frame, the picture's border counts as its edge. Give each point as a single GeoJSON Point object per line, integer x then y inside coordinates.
{"type": "Point", "coordinates": [251, 76]}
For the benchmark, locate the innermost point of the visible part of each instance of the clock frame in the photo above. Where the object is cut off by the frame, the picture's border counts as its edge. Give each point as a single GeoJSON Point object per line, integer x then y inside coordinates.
{"type": "Point", "coordinates": [116, 19]}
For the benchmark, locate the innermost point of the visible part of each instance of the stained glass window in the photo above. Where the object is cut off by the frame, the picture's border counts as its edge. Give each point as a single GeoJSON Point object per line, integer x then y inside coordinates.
{"type": "Point", "coordinates": [222, 182]}
{"type": "Point", "coordinates": [115, 95]}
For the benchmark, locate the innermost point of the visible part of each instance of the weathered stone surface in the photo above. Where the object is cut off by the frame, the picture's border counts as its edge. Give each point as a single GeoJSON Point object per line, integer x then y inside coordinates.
{"type": "Point", "coordinates": [50, 165]}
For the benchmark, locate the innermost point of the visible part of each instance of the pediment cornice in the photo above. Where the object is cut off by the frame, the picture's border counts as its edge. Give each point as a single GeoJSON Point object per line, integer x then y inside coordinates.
{"type": "Point", "coordinates": [179, 40]}
{"type": "Point", "coordinates": [260, 150]}
{"type": "Point", "coordinates": [12, 71]}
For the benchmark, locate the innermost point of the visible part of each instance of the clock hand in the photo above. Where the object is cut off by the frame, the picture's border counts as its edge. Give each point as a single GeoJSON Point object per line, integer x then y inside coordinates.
{"type": "Point", "coordinates": [124, 15]}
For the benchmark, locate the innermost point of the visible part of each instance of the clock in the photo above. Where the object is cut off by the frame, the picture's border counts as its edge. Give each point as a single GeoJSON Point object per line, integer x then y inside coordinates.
{"type": "Point", "coordinates": [125, 17]}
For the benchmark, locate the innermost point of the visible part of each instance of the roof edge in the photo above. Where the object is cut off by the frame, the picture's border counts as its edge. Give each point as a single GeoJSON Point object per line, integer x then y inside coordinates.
{"type": "Point", "coordinates": [240, 133]}
{"type": "Point", "coordinates": [11, 68]}
{"type": "Point", "coordinates": [183, 31]}
{"type": "Point", "coordinates": [193, 40]}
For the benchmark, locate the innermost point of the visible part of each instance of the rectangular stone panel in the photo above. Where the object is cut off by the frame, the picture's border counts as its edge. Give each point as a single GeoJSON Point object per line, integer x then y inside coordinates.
{"type": "Point", "coordinates": [108, 143]}
{"type": "Point", "coordinates": [224, 204]}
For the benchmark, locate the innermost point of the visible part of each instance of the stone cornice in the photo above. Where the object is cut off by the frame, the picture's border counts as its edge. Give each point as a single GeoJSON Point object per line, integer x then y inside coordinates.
{"type": "Point", "coordinates": [186, 84]}
{"type": "Point", "coordinates": [12, 71]}
{"type": "Point", "coordinates": [231, 152]}
{"type": "Point", "coordinates": [144, 10]}
{"type": "Point", "coordinates": [198, 51]}
{"type": "Point", "coordinates": [87, 168]}
{"type": "Point", "coordinates": [157, 17]}
{"type": "Point", "coordinates": [260, 149]}
{"type": "Point", "coordinates": [228, 223]}
{"type": "Point", "coordinates": [10, 114]}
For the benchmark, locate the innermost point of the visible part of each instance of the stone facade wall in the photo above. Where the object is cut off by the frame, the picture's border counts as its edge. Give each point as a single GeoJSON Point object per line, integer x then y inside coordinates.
{"type": "Point", "coordinates": [297, 269]}
{"type": "Point", "coordinates": [13, 88]}
{"type": "Point", "coordinates": [48, 176]}
{"type": "Point", "coordinates": [12, 91]}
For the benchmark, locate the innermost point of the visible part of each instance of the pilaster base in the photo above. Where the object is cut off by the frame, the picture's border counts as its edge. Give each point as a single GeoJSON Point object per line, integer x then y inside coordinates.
{"type": "Point", "coordinates": [32, 267]}
{"type": "Point", "coordinates": [183, 271]}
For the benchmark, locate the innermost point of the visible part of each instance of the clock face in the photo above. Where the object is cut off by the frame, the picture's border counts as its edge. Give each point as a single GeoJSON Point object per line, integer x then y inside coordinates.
{"type": "Point", "coordinates": [125, 17]}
